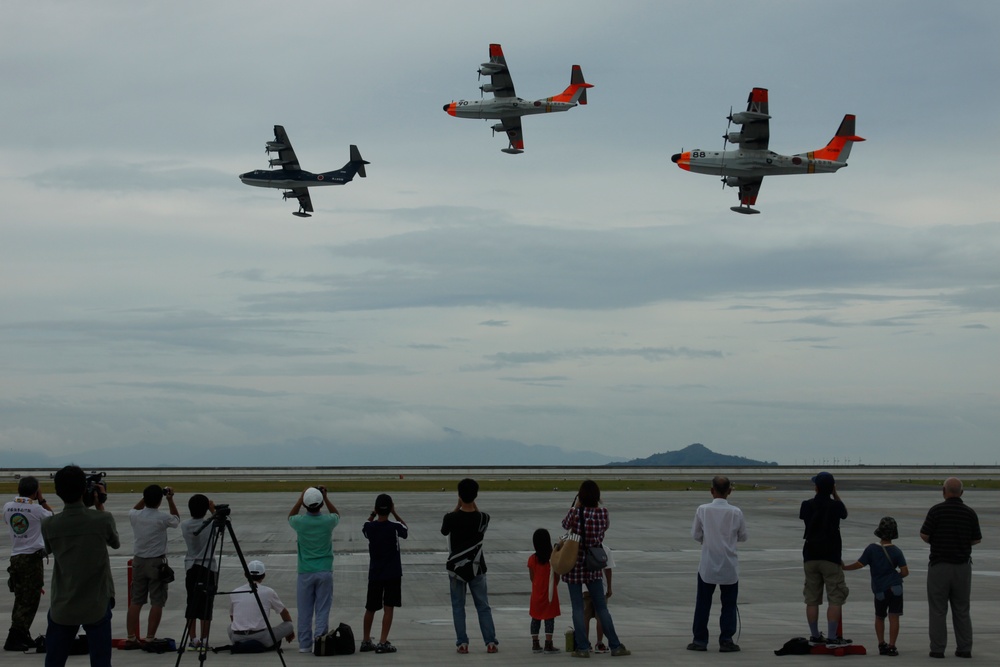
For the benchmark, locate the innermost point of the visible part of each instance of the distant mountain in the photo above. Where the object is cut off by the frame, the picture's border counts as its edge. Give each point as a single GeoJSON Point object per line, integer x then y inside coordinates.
{"type": "Point", "coordinates": [694, 455]}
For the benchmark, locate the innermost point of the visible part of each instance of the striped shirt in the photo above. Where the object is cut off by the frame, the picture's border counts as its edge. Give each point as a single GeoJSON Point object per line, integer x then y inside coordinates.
{"type": "Point", "coordinates": [952, 527]}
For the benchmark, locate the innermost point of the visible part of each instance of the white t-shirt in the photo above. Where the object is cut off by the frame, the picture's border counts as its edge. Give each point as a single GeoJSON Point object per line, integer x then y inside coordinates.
{"type": "Point", "coordinates": [244, 610]}
{"type": "Point", "coordinates": [149, 531]}
{"type": "Point", "coordinates": [23, 517]}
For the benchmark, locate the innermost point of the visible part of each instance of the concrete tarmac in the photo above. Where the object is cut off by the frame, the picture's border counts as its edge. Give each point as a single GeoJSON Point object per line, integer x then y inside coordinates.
{"type": "Point", "coordinates": [654, 579]}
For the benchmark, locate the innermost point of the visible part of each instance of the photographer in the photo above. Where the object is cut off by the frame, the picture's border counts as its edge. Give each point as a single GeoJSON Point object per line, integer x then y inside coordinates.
{"type": "Point", "coordinates": [202, 571]}
{"type": "Point", "coordinates": [314, 589]}
{"type": "Point", "coordinates": [83, 591]}
{"type": "Point", "coordinates": [23, 517]}
{"type": "Point", "coordinates": [149, 529]}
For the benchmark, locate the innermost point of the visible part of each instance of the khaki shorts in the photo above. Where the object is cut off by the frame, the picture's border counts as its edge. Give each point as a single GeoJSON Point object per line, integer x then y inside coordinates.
{"type": "Point", "coordinates": [146, 582]}
{"type": "Point", "coordinates": [820, 574]}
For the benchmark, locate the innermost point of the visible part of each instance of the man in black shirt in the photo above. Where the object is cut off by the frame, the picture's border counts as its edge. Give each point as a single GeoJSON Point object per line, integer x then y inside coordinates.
{"type": "Point", "coordinates": [951, 528]}
{"type": "Point", "coordinates": [822, 563]}
{"type": "Point", "coordinates": [465, 528]}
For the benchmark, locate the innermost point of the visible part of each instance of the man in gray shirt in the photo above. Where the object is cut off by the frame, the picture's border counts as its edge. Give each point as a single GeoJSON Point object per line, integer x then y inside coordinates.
{"type": "Point", "coordinates": [149, 530]}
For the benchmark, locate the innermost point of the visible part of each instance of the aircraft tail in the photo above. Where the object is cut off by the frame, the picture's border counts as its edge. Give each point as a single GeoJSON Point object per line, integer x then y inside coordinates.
{"type": "Point", "coordinates": [357, 165]}
{"type": "Point", "coordinates": [839, 148]}
{"type": "Point", "coordinates": [576, 92]}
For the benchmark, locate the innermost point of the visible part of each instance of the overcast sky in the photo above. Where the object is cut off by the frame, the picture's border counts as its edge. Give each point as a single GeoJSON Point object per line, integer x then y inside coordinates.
{"type": "Point", "coordinates": [586, 295]}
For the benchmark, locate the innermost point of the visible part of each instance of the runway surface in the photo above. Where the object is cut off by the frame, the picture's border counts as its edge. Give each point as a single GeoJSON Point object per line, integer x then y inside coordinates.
{"type": "Point", "coordinates": [654, 580]}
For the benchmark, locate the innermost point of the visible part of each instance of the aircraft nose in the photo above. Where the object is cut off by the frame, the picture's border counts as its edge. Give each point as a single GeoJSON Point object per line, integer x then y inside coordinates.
{"type": "Point", "coordinates": [445, 107]}
{"type": "Point", "coordinates": [450, 109]}
{"type": "Point", "coordinates": [675, 158]}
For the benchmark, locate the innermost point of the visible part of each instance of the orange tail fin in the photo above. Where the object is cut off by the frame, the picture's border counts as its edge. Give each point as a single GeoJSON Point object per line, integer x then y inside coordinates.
{"type": "Point", "coordinates": [839, 148]}
{"type": "Point", "coordinates": [577, 89]}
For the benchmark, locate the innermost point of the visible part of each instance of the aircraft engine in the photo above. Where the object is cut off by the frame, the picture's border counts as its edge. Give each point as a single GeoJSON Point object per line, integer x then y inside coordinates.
{"type": "Point", "coordinates": [499, 128]}
{"type": "Point", "coordinates": [487, 88]}
{"type": "Point", "coordinates": [490, 68]}
{"type": "Point", "coordinates": [744, 117]}
{"type": "Point", "coordinates": [734, 137]}
{"type": "Point", "coordinates": [273, 146]}
{"type": "Point", "coordinates": [276, 162]}
{"type": "Point", "coordinates": [733, 181]}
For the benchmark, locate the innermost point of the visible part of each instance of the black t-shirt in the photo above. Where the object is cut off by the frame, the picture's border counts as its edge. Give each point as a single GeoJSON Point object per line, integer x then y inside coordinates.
{"type": "Point", "coordinates": [465, 530]}
{"type": "Point", "coordinates": [822, 517]}
{"type": "Point", "coordinates": [952, 526]}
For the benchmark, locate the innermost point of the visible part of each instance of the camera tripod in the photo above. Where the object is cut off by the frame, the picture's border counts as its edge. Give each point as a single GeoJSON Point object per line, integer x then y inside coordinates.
{"type": "Point", "coordinates": [219, 524]}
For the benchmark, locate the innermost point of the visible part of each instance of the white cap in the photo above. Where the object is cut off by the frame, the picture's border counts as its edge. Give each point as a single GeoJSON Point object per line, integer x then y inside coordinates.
{"type": "Point", "coordinates": [256, 567]}
{"type": "Point", "coordinates": [313, 497]}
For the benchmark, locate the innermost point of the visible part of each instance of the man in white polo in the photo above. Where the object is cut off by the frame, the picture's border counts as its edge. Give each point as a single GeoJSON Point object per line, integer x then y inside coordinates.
{"type": "Point", "coordinates": [247, 622]}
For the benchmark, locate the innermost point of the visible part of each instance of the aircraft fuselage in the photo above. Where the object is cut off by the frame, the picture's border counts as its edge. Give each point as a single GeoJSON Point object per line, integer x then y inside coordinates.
{"type": "Point", "coordinates": [753, 163]}
{"type": "Point", "coordinates": [285, 178]}
{"type": "Point", "coordinates": [505, 107]}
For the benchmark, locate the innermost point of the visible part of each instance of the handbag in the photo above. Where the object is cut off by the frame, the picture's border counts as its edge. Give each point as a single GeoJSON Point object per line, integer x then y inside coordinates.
{"type": "Point", "coordinates": [166, 572]}
{"type": "Point", "coordinates": [565, 553]}
{"type": "Point", "coordinates": [339, 641]}
{"type": "Point", "coordinates": [596, 558]}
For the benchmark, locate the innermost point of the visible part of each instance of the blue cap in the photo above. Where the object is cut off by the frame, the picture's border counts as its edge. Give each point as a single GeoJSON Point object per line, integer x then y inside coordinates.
{"type": "Point", "coordinates": [824, 480]}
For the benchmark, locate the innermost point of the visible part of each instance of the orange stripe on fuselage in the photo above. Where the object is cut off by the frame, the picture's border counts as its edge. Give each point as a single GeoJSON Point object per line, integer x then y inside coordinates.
{"type": "Point", "coordinates": [451, 109]}
{"type": "Point", "coordinates": [685, 161]}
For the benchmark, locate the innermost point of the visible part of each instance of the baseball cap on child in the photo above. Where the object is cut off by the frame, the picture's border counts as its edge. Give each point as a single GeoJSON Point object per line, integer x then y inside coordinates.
{"type": "Point", "coordinates": [256, 567]}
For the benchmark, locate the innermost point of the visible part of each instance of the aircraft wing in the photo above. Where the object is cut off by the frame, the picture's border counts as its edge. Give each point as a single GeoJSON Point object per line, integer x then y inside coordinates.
{"type": "Point", "coordinates": [302, 194]}
{"type": "Point", "coordinates": [286, 154]}
{"type": "Point", "coordinates": [756, 132]}
{"type": "Point", "coordinates": [512, 126]}
{"type": "Point", "coordinates": [749, 188]}
{"type": "Point", "coordinates": [503, 85]}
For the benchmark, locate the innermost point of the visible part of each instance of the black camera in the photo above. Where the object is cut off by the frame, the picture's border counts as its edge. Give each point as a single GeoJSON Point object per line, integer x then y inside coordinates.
{"type": "Point", "coordinates": [93, 484]}
{"type": "Point", "coordinates": [222, 511]}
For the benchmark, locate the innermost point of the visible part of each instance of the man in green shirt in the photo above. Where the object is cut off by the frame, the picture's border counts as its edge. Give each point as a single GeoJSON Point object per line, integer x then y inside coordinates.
{"type": "Point", "coordinates": [83, 591]}
{"type": "Point", "coordinates": [314, 589]}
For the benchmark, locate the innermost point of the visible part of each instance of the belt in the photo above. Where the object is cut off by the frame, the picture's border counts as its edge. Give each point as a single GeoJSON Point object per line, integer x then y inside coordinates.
{"type": "Point", "coordinates": [246, 632]}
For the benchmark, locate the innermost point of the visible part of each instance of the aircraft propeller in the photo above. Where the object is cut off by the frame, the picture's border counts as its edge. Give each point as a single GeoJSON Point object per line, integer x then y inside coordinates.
{"type": "Point", "coordinates": [725, 142]}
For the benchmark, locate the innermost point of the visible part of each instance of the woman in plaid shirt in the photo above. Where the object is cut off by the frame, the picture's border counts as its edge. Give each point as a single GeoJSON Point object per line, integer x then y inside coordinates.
{"type": "Point", "coordinates": [595, 523]}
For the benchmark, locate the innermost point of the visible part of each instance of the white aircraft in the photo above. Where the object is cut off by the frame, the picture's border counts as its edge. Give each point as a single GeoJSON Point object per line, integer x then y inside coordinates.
{"type": "Point", "coordinates": [508, 107]}
{"type": "Point", "coordinates": [746, 168]}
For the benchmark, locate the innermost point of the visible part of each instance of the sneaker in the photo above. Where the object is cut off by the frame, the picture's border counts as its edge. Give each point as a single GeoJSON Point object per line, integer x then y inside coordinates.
{"type": "Point", "coordinates": [535, 646]}
{"type": "Point", "coordinates": [131, 645]}
{"type": "Point", "coordinates": [963, 654]}
{"type": "Point", "coordinates": [817, 640]}
{"type": "Point", "coordinates": [17, 642]}
{"type": "Point", "coordinates": [838, 642]}
{"type": "Point", "coordinates": [728, 646]}
{"type": "Point", "coordinates": [891, 650]}
{"type": "Point", "coordinates": [492, 648]}
{"type": "Point", "coordinates": [303, 649]}
{"type": "Point", "coordinates": [695, 646]}
{"type": "Point", "coordinates": [462, 648]}
{"type": "Point", "coordinates": [550, 649]}
{"type": "Point", "coordinates": [580, 654]}
{"type": "Point", "coordinates": [385, 647]}
{"type": "Point", "coordinates": [194, 645]}
{"type": "Point", "coordinates": [936, 654]}
{"type": "Point", "coordinates": [883, 648]}
{"type": "Point", "coordinates": [601, 648]}
{"type": "Point", "coordinates": [366, 646]}
{"type": "Point", "coordinates": [620, 651]}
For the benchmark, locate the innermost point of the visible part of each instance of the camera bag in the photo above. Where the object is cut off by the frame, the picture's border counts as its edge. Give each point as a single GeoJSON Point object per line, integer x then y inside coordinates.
{"type": "Point", "coordinates": [339, 641]}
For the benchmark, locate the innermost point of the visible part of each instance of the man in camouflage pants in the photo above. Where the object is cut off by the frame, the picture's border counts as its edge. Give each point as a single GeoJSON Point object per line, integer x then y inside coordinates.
{"type": "Point", "coordinates": [23, 517]}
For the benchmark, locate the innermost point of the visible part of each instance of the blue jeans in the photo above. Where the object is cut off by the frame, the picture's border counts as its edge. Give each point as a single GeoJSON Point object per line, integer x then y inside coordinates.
{"type": "Point", "coordinates": [479, 597]}
{"type": "Point", "coordinates": [596, 588]}
{"type": "Point", "coordinates": [314, 593]}
{"type": "Point", "coordinates": [703, 608]}
{"type": "Point", "coordinates": [58, 638]}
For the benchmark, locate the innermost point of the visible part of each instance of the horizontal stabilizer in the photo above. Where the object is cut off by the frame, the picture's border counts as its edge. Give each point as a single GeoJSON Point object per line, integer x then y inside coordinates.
{"type": "Point", "coordinates": [358, 162]}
